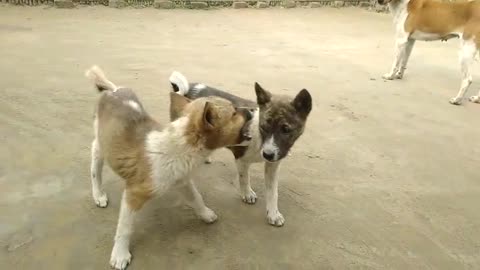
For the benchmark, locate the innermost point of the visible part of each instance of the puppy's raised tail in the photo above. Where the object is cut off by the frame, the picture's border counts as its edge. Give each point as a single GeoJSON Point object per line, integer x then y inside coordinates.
{"type": "Point", "coordinates": [99, 79]}
{"type": "Point", "coordinates": [179, 83]}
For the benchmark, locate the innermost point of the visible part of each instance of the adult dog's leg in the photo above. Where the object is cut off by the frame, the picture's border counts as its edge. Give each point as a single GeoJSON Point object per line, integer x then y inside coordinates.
{"type": "Point", "coordinates": [131, 204]}
{"type": "Point", "coordinates": [274, 216]}
{"type": "Point", "coordinates": [194, 199]}
{"type": "Point", "coordinates": [248, 195]}
{"type": "Point", "coordinates": [467, 56]}
{"type": "Point", "coordinates": [401, 45]}
{"type": "Point", "coordinates": [476, 99]}
{"type": "Point", "coordinates": [404, 62]}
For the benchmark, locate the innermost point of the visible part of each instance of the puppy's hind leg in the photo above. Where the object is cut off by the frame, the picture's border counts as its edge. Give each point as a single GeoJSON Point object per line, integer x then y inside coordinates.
{"type": "Point", "coordinates": [132, 202]}
{"type": "Point", "coordinates": [96, 168]}
{"type": "Point", "coordinates": [467, 56]}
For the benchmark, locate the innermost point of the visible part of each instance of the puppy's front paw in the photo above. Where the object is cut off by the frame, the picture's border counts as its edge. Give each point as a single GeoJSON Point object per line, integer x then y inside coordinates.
{"type": "Point", "coordinates": [120, 258]}
{"type": "Point", "coordinates": [208, 216]}
{"type": "Point", "coordinates": [455, 101]}
{"type": "Point", "coordinates": [474, 99]}
{"type": "Point", "coordinates": [101, 199]}
{"type": "Point", "coordinates": [275, 218]}
{"type": "Point", "coordinates": [249, 196]}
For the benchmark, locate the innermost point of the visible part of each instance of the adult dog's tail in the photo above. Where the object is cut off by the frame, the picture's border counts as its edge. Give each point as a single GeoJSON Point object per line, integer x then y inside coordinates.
{"type": "Point", "coordinates": [99, 79]}
{"type": "Point", "coordinates": [179, 83]}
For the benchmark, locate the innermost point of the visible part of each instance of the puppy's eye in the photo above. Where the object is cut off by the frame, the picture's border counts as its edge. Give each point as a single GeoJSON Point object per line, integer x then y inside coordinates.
{"type": "Point", "coordinates": [234, 114]}
{"type": "Point", "coordinates": [286, 129]}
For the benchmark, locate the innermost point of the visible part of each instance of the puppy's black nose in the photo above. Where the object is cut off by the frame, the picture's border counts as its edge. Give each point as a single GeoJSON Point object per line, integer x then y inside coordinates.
{"type": "Point", "coordinates": [248, 114]}
{"type": "Point", "coordinates": [268, 156]}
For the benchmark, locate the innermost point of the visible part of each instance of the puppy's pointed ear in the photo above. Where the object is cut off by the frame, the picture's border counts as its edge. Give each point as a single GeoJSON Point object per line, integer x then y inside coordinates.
{"type": "Point", "coordinates": [209, 115]}
{"type": "Point", "coordinates": [177, 105]}
{"type": "Point", "coordinates": [263, 96]}
{"type": "Point", "coordinates": [303, 103]}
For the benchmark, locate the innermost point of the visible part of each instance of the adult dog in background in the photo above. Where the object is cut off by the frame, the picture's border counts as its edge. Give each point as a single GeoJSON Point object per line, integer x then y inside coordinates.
{"type": "Point", "coordinates": [152, 160]}
{"type": "Point", "coordinates": [430, 20]}
{"type": "Point", "coordinates": [278, 121]}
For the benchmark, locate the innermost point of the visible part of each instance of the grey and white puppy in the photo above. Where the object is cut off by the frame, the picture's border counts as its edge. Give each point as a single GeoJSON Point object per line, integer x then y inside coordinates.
{"type": "Point", "coordinates": [278, 122]}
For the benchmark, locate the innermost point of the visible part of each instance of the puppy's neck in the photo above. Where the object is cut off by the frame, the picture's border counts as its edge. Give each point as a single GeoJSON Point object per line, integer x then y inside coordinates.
{"type": "Point", "coordinates": [172, 142]}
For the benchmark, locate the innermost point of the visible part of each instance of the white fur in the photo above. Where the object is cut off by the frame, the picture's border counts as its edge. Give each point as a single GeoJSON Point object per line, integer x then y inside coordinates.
{"type": "Point", "coordinates": [246, 192]}
{"type": "Point", "coordinates": [270, 147]}
{"type": "Point", "coordinates": [134, 105]}
{"type": "Point", "coordinates": [121, 256]}
{"type": "Point", "coordinates": [96, 168]}
{"type": "Point", "coordinates": [171, 157]}
{"type": "Point", "coordinates": [467, 56]}
{"type": "Point", "coordinates": [419, 35]}
{"type": "Point", "coordinates": [404, 43]}
{"type": "Point", "coordinates": [199, 86]}
{"type": "Point", "coordinates": [180, 81]}
{"type": "Point", "coordinates": [98, 77]}
{"type": "Point", "coordinates": [274, 216]}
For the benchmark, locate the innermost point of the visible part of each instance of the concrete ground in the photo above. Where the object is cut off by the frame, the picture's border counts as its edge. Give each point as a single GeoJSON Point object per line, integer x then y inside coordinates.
{"type": "Point", "coordinates": [386, 175]}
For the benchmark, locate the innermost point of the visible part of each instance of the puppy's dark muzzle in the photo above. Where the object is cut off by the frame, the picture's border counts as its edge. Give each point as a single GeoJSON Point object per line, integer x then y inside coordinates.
{"type": "Point", "coordinates": [381, 2]}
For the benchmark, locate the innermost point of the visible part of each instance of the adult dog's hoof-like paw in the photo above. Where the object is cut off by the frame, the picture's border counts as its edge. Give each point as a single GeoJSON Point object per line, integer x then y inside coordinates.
{"type": "Point", "coordinates": [120, 259]}
{"type": "Point", "coordinates": [208, 160]}
{"type": "Point", "coordinates": [249, 197]}
{"type": "Point", "coordinates": [388, 76]}
{"type": "Point", "coordinates": [275, 218]}
{"type": "Point", "coordinates": [474, 99]}
{"type": "Point", "coordinates": [208, 216]}
{"type": "Point", "coordinates": [101, 200]}
{"type": "Point", "coordinates": [398, 76]}
{"type": "Point", "coordinates": [455, 101]}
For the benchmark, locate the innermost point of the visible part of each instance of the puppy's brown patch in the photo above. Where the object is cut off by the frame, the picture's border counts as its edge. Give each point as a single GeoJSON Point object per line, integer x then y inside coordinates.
{"type": "Point", "coordinates": [214, 122]}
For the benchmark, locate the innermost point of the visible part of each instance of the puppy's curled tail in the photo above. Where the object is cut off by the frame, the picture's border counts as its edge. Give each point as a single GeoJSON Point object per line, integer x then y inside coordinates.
{"type": "Point", "coordinates": [179, 83]}
{"type": "Point", "coordinates": [99, 79]}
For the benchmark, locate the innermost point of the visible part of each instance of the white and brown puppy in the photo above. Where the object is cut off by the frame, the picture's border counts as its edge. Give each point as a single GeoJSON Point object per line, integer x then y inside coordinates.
{"type": "Point", "coordinates": [430, 20]}
{"type": "Point", "coordinates": [277, 123]}
{"type": "Point", "coordinates": [152, 159]}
